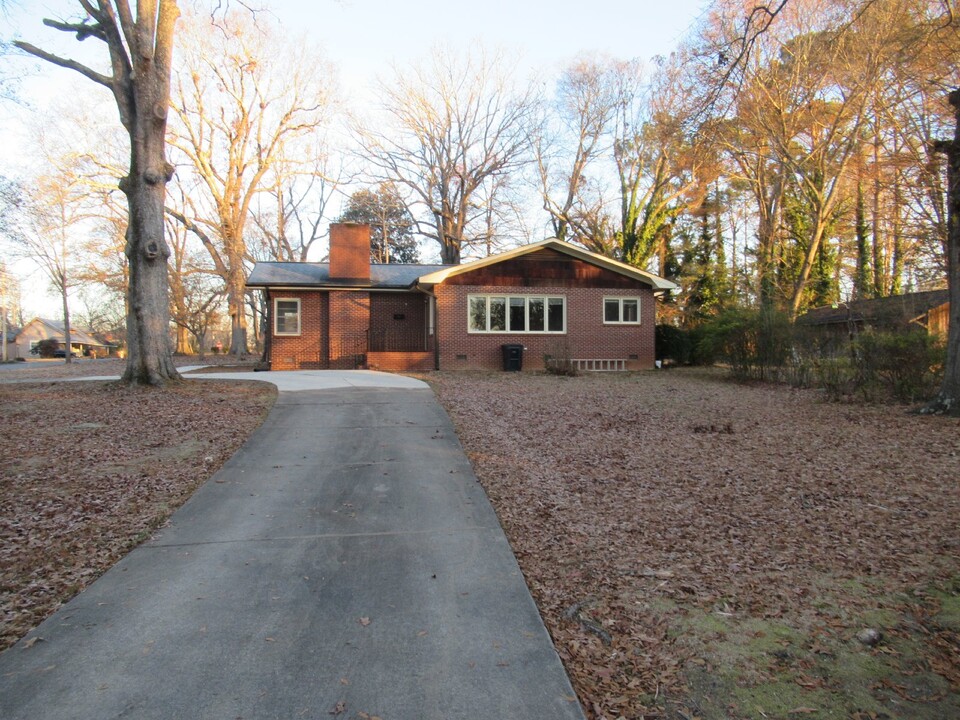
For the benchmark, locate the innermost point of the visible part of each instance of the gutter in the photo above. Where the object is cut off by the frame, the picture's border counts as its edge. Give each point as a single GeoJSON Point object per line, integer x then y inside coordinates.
{"type": "Point", "coordinates": [436, 320]}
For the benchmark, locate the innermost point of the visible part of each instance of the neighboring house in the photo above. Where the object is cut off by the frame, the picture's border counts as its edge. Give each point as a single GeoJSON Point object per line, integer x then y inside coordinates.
{"type": "Point", "coordinates": [12, 352]}
{"type": "Point", "coordinates": [551, 299]}
{"type": "Point", "coordinates": [896, 313]}
{"type": "Point", "coordinates": [38, 329]}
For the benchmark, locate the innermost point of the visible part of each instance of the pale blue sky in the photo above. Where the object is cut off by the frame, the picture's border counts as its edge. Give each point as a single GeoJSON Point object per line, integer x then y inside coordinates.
{"type": "Point", "coordinates": [367, 35]}
{"type": "Point", "coordinates": [364, 38]}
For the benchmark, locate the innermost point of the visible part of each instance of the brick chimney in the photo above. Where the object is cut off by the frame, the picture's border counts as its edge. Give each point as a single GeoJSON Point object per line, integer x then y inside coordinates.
{"type": "Point", "coordinates": [350, 252]}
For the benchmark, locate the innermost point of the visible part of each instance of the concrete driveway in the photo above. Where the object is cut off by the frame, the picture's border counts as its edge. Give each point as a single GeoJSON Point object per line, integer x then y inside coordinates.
{"type": "Point", "coordinates": [344, 563]}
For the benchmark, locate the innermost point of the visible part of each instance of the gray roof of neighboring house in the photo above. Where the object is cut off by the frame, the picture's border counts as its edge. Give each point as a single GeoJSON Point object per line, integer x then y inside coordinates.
{"type": "Point", "coordinates": [77, 336]}
{"type": "Point", "coordinates": [392, 276]}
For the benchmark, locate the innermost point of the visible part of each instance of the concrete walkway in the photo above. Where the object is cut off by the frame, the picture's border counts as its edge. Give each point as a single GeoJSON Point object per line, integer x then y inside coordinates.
{"type": "Point", "coordinates": [344, 563]}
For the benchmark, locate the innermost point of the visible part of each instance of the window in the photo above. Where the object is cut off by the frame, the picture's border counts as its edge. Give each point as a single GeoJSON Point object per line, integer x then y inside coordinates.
{"type": "Point", "coordinates": [286, 316]}
{"type": "Point", "coordinates": [516, 314]}
{"type": "Point", "coordinates": [622, 311]}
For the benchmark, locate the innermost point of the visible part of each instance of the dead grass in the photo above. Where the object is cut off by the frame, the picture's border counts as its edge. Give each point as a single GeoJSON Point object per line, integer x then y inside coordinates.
{"type": "Point", "coordinates": [705, 549]}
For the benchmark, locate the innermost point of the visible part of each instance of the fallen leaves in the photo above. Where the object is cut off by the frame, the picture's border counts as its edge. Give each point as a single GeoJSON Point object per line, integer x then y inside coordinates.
{"type": "Point", "coordinates": [644, 500]}
{"type": "Point", "coordinates": [91, 469]}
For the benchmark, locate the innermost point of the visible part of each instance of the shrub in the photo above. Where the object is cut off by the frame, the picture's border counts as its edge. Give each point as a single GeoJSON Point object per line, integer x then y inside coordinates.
{"type": "Point", "coordinates": [755, 343]}
{"type": "Point", "coordinates": [558, 360]}
{"type": "Point", "coordinates": [905, 366]}
{"type": "Point", "coordinates": [46, 348]}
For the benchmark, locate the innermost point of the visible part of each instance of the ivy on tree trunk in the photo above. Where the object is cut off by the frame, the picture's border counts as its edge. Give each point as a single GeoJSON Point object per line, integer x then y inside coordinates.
{"type": "Point", "coordinates": [948, 400]}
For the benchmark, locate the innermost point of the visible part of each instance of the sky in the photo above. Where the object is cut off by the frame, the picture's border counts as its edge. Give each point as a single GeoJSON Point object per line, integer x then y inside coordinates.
{"type": "Point", "coordinates": [365, 39]}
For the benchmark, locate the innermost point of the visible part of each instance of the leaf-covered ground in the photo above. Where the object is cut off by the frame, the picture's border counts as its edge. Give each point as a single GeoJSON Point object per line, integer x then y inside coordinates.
{"type": "Point", "coordinates": [91, 468]}
{"type": "Point", "coordinates": [702, 549]}
{"type": "Point", "coordinates": [698, 549]}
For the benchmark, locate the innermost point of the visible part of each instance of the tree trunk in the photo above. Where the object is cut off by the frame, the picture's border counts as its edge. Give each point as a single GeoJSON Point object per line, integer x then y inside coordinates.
{"type": "Point", "coordinates": [67, 335]}
{"type": "Point", "coordinates": [896, 231]}
{"type": "Point", "coordinates": [236, 296]}
{"type": "Point", "coordinates": [879, 259]}
{"type": "Point", "coordinates": [141, 53]}
{"type": "Point", "coordinates": [149, 359]}
{"type": "Point", "coordinates": [862, 284]}
{"type": "Point", "coordinates": [183, 341]}
{"type": "Point", "coordinates": [948, 400]}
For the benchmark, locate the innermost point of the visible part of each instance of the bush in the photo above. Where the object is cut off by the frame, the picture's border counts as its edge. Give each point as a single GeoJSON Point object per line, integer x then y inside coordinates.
{"type": "Point", "coordinates": [558, 360]}
{"type": "Point", "coordinates": [46, 348]}
{"type": "Point", "coordinates": [905, 366]}
{"type": "Point", "coordinates": [755, 343]}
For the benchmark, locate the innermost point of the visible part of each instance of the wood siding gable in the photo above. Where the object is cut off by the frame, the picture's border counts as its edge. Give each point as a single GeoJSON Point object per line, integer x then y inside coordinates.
{"type": "Point", "coordinates": [543, 268]}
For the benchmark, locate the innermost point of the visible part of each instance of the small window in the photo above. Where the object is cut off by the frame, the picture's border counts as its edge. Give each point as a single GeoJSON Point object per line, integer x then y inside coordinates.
{"type": "Point", "coordinates": [621, 311]}
{"type": "Point", "coordinates": [286, 316]}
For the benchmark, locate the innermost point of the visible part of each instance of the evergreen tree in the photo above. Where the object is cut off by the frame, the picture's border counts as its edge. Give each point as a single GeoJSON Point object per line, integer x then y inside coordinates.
{"type": "Point", "coordinates": [392, 238]}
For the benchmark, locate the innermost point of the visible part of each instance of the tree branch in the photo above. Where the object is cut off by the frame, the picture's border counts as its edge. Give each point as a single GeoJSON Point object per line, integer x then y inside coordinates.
{"type": "Point", "coordinates": [104, 80]}
{"type": "Point", "coordinates": [83, 30]}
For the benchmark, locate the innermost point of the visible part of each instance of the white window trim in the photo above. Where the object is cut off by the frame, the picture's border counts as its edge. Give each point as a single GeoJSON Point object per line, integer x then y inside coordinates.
{"type": "Point", "coordinates": [620, 299]}
{"type": "Point", "coordinates": [506, 298]}
{"type": "Point", "coordinates": [276, 332]}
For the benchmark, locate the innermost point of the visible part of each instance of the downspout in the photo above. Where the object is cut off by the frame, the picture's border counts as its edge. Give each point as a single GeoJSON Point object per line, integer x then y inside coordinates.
{"type": "Point", "coordinates": [267, 331]}
{"type": "Point", "coordinates": [432, 299]}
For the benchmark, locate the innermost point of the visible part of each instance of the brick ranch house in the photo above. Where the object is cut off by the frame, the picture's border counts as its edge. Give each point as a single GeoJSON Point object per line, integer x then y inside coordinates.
{"type": "Point", "coordinates": [552, 298]}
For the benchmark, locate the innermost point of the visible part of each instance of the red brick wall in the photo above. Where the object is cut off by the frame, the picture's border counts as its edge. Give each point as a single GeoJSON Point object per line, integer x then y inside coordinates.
{"type": "Point", "coordinates": [401, 361]}
{"type": "Point", "coordinates": [349, 322]}
{"type": "Point", "coordinates": [350, 252]}
{"type": "Point", "coordinates": [308, 350]}
{"type": "Point", "coordinates": [586, 337]}
{"type": "Point", "coordinates": [389, 332]}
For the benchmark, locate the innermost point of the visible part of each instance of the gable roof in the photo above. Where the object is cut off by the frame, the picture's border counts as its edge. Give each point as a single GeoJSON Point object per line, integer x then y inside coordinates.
{"type": "Point", "coordinates": [400, 276]}
{"type": "Point", "coordinates": [77, 336]}
{"type": "Point", "coordinates": [656, 282]}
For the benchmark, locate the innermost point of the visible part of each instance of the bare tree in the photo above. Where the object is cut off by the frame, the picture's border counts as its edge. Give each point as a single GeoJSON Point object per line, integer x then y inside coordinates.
{"type": "Point", "coordinates": [453, 124]}
{"type": "Point", "coordinates": [141, 49]}
{"type": "Point", "coordinates": [290, 221]}
{"type": "Point", "coordinates": [48, 229]}
{"type": "Point", "coordinates": [9, 306]}
{"type": "Point", "coordinates": [570, 146]}
{"type": "Point", "coordinates": [657, 162]}
{"type": "Point", "coordinates": [244, 98]}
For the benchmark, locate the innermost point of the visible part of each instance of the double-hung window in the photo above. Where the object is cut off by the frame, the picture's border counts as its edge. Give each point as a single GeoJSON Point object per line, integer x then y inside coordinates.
{"type": "Point", "coordinates": [516, 314]}
{"type": "Point", "coordinates": [621, 311]}
{"type": "Point", "coordinates": [286, 316]}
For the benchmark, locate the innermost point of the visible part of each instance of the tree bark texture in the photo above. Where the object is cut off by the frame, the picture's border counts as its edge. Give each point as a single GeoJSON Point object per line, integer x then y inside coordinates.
{"type": "Point", "coordinates": [948, 400]}
{"type": "Point", "coordinates": [140, 83]}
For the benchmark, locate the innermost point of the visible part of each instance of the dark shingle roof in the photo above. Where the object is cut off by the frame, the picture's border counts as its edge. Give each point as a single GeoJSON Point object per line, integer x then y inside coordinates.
{"type": "Point", "coordinates": [888, 311]}
{"type": "Point", "coordinates": [296, 274]}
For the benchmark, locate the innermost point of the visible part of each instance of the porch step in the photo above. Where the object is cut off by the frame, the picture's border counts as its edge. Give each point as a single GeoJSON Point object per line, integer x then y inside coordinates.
{"type": "Point", "coordinates": [401, 361]}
